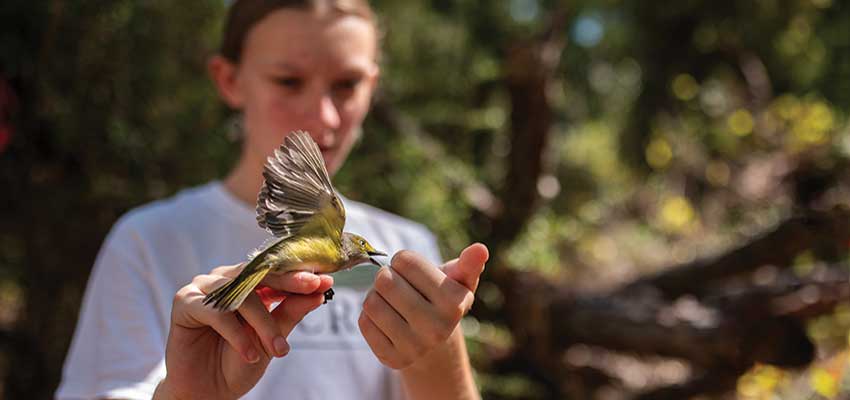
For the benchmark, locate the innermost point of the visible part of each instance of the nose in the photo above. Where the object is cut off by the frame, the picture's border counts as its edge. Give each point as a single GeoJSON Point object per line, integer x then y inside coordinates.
{"type": "Point", "coordinates": [323, 120]}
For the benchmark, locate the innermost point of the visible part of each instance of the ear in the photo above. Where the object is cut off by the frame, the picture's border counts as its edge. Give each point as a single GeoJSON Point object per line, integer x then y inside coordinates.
{"type": "Point", "coordinates": [223, 73]}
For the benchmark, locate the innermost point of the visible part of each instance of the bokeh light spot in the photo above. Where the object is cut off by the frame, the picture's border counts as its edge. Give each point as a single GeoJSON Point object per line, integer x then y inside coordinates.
{"type": "Point", "coordinates": [741, 122]}
{"type": "Point", "coordinates": [677, 213]}
{"type": "Point", "coordinates": [588, 30]}
{"type": "Point", "coordinates": [659, 153]}
{"type": "Point", "coordinates": [823, 383]}
{"type": "Point", "coordinates": [685, 87]}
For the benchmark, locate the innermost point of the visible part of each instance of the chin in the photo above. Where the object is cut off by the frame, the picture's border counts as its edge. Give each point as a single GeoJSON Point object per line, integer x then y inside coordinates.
{"type": "Point", "coordinates": [330, 161]}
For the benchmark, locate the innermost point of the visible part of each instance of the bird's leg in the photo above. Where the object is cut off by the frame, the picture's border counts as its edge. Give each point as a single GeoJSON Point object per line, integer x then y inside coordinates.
{"type": "Point", "coordinates": [329, 295]}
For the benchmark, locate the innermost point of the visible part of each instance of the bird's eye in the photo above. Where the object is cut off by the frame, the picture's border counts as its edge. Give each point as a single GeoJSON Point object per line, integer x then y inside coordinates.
{"type": "Point", "coordinates": [363, 243]}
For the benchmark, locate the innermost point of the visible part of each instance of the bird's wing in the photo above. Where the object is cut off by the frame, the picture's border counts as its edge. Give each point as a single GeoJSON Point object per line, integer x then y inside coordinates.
{"type": "Point", "coordinates": [297, 194]}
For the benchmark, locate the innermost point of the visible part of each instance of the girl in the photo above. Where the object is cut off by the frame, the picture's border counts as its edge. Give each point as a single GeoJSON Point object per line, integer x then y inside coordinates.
{"type": "Point", "coordinates": [285, 65]}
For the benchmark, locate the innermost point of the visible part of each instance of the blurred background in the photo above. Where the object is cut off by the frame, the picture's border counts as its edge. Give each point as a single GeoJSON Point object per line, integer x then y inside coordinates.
{"type": "Point", "coordinates": [663, 185]}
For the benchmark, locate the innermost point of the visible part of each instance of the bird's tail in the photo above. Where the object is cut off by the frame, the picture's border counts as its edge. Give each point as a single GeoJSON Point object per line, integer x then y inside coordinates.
{"type": "Point", "coordinates": [230, 296]}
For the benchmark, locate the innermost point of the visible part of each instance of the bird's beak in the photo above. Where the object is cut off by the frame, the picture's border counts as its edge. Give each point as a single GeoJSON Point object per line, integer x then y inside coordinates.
{"type": "Point", "coordinates": [372, 255]}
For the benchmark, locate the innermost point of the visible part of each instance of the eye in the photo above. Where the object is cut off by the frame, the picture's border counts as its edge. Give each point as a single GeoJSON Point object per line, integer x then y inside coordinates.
{"type": "Point", "coordinates": [363, 243]}
{"type": "Point", "coordinates": [346, 85]}
{"type": "Point", "coordinates": [289, 82]}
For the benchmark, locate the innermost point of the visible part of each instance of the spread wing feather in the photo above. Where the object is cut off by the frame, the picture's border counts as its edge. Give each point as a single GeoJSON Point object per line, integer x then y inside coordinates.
{"type": "Point", "coordinates": [297, 193]}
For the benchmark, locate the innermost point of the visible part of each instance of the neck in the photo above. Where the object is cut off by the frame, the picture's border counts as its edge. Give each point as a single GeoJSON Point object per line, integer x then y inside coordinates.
{"type": "Point", "coordinates": [245, 180]}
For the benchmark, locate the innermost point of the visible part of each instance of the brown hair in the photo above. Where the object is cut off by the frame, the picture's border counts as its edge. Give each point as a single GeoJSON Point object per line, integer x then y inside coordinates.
{"type": "Point", "coordinates": [244, 14]}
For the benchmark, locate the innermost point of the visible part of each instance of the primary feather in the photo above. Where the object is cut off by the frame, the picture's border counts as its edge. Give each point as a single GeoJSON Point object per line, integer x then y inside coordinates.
{"type": "Point", "coordinates": [297, 192]}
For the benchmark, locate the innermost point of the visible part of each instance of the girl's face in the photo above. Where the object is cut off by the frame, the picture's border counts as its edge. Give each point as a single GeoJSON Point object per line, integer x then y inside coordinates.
{"type": "Point", "coordinates": [302, 70]}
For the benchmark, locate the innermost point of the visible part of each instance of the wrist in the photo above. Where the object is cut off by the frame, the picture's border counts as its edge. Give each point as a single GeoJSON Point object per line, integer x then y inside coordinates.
{"type": "Point", "coordinates": [446, 353]}
{"type": "Point", "coordinates": [444, 373]}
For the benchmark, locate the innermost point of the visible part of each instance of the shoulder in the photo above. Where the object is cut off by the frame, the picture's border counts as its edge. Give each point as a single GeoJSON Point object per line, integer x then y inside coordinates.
{"type": "Point", "coordinates": [165, 216]}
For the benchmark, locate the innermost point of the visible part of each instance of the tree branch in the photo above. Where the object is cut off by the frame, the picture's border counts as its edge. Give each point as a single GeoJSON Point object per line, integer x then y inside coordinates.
{"type": "Point", "coordinates": [774, 248]}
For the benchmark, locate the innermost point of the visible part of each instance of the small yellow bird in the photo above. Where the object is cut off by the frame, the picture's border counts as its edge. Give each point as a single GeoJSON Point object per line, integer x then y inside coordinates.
{"type": "Point", "coordinates": [299, 206]}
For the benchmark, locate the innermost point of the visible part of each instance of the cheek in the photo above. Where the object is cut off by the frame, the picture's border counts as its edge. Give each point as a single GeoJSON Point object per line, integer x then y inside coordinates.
{"type": "Point", "coordinates": [353, 113]}
{"type": "Point", "coordinates": [280, 113]}
{"type": "Point", "coordinates": [267, 120]}
{"type": "Point", "coordinates": [354, 109]}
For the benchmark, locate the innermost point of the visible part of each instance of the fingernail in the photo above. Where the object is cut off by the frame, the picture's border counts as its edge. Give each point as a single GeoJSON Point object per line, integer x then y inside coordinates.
{"type": "Point", "coordinates": [280, 346]}
{"type": "Point", "coordinates": [252, 355]}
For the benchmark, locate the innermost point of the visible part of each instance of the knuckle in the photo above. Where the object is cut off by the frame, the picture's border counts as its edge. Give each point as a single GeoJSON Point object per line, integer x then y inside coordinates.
{"type": "Point", "coordinates": [457, 312]}
{"type": "Point", "coordinates": [198, 279]}
{"type": "Point", "coordinates": [384, 281]}
{"type": "Point", "coordinates": [468, 301]}
{"type": "Point", "coordinates": [452, 312]}
{"type": "Point", "coordinates": [220, 270]}
{"type": "Point", "coordinates": [371, 304]}
{"type": "Point", "coordinates": [457, 293]}
{"type": "Point", "coordinates": [404, 259]}
{"type": "Point", "coordinates": [183, 293]}
{"type": "Point", "coordinates": [386, 360]}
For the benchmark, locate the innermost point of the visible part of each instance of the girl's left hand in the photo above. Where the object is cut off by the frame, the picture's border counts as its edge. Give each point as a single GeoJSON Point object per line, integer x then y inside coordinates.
{"type": "Point", "coordinates": [414, 307]}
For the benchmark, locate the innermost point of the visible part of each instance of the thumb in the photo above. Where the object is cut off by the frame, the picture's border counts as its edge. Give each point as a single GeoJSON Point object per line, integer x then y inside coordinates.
{"type": "Point", "coordinates": [468, 267]}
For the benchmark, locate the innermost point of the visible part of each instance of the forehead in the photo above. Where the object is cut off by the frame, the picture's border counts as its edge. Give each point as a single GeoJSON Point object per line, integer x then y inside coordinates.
{"type": "Point", "coordinates": [310, 40]}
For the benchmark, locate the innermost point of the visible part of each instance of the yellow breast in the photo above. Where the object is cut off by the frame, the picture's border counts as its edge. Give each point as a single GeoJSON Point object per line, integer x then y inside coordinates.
{"type": "Point", "coordinates": [315, 254]}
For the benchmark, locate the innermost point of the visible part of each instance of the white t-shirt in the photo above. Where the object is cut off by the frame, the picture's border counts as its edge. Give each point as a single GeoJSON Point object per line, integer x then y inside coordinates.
{"type": "Point", "coordinates": [119, 344]}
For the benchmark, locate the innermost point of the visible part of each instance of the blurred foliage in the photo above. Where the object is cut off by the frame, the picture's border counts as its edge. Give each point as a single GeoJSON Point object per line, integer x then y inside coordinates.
{"type": "Point", "coordinates": [677, 126]}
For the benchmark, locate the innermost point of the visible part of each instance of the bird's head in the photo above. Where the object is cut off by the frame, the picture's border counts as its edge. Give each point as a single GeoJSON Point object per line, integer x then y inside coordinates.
{"type": "Point", "coordinates": [359, 250]}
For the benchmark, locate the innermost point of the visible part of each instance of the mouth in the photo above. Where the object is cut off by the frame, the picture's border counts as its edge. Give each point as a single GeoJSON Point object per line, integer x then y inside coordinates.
{"type": "Point", "coordinates": [327, 155]}
{"type": "Point", "coordinates": [326, 151]}
{"type": "Point", "coordinates": [373, 254]}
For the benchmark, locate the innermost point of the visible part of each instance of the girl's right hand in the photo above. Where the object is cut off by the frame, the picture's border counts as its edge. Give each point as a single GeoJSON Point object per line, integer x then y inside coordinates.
{"type": "Point", "coordinates": [221, 355]}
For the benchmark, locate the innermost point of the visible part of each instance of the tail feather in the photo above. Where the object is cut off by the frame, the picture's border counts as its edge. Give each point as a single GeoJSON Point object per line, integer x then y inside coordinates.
{"type": "Point", "coordinates": [230, 296]}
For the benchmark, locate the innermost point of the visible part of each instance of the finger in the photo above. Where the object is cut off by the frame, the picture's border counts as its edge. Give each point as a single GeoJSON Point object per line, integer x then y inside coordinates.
{"type": "Point", "coordinates": [421, 274]}
{"type": "Point", "coordinates": [380, 344]}
{"type": "Point", "coordinates": [300, 282]}
{"type": "Point", "coordinates": [467, 268]}
{"type": "Point", "coordinates": [272, 297]}
{"type": "Point", "coordinates": [393, 325]}
{"type": "Point", "coordinates": [430, 281]}
{"type": "Point", "coordinates": [208, 283]}
{"type": "Point", "coordinates": [230, 271]}
{"type": "Point", "coordinates": [403, 297]}
{"type": "Point", "coordinates": [190, 312]}
{"type": "Point", "coordinates": [235, 334]}
{"type": "Point", "coordinates": [293, 309]}
{"type": "Point", "coordinates": [269, 296]}
{"type": "Point", "coordinates": [326, 281]}
{"type": "Point", "coordinates": [255, 313]}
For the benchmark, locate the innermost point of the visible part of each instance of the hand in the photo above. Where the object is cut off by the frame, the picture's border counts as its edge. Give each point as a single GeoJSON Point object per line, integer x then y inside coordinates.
{"type": "Point", "coordinates": [414, 307]}
{"type": "Point", "coordinates": [221, 355]}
